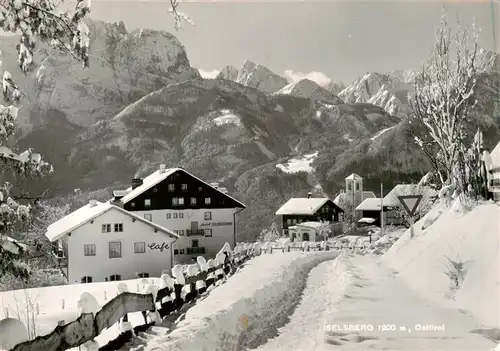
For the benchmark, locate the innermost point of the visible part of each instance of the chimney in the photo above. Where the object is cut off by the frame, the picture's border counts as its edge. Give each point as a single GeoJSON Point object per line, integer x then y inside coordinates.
{"type": "Point", "coordinates": [162, 168]}
{"type": "Point", "coordinates": [136, 182]}
{"type": "Point", "coordinates": [92, 203]}
{"type": "Point", "coordinates": [309, 195]}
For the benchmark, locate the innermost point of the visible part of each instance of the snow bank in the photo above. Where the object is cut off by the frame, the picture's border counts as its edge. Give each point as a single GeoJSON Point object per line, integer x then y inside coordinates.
{"type": "Point", "coordinates": [50, 304]}
{"type": "Point", "coordinates": [266, 283]}
{"type": "Point", "coordinates": [471, 238]}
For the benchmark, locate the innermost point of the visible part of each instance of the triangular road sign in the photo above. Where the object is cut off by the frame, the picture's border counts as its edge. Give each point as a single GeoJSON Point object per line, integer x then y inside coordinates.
{"type": "Point", "coordinates": [410, 203]}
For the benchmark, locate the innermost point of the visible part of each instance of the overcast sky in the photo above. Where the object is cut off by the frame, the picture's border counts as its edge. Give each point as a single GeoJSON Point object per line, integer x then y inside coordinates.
{"type": "Point", "coordinates": [341, 39]}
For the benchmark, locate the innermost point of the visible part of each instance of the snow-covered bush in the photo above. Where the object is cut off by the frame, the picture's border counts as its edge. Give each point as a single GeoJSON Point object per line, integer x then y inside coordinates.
{"type": "Point", "coordinates": [455, 270]}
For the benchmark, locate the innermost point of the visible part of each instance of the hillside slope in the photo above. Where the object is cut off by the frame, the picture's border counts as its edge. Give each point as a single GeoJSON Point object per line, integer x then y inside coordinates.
{"type": "Point", "coordinates": [473, 239]}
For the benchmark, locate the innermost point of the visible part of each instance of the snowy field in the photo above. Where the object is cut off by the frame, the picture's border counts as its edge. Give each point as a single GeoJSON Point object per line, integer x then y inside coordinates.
{"type": "Point", "coordinates": [266, 290]}
{"type": "Point", "coordinates": [302, 164]}
{"type": "Point", "coordinates": [50, 300]}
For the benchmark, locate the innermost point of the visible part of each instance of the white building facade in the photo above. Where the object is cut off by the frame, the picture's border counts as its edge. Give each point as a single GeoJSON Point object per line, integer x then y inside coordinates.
{"type": "Point", "coordinates": [202, 214]}
{"type": "Point", "coordinates": [492, 163]}
{"type": "Point", "coordinates": [102, 242]}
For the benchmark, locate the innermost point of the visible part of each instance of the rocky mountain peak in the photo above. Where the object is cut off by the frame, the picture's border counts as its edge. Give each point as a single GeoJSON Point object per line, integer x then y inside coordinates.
{"type": "Point", "coordinates": [260, 77]}
{"type": "Point", "coordinates": [124, 66]}
{"type": "Point", "coordinates": [228, 73]}
{"type": "Point", "coordinates": [306, 88]}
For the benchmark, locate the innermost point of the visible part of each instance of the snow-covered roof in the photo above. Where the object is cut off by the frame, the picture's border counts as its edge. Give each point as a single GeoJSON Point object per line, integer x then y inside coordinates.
{"type": "Point", "coordinates": [157, 177]}
{"type": "Point", "coordinates": [495, 157]}
{"type": "Point", "coordinates": [354, 176]}
{"type": "Point", "coordinates": [149, 182]}
{"type": "Point", "coordinates": [391, 199]}
{"type": "Point", "coordinates": [366, 220]}
{"type": "Point", "coordinates": [340, 198]}
{"type": "Point", "coordinates": [304, 206]}
{"type": "Point", "coordinates": [313, 225]}
{"type": "Point", "coordinates": [371, 204]}
{"type": "Point", "coordinates": [87, 213]}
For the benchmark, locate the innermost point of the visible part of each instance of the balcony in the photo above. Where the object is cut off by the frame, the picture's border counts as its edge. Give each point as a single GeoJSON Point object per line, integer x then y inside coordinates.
{"type": "Point", "coordinates": [191, 232]}
{"type": "Point", "coordinates": [195, 250]}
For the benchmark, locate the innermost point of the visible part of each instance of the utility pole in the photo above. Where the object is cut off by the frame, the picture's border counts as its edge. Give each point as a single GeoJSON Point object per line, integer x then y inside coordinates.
{"type": "Point", "coordinates": [381, 209]}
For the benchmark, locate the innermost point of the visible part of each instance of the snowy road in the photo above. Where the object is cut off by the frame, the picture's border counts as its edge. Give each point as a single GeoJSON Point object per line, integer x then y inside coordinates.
{"type": "Point", "coordinates": [360, 291]}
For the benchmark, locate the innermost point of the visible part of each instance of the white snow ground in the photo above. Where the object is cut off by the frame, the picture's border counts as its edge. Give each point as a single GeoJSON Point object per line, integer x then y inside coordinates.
{"type": "Point", "coordinates": [265, 290]}
{"type": "Point", "coordinates": [408, 309]}
{"type": "Point", "coordinates": [295, 165]}
{"type": "Point", "coordinates": [49, 300]}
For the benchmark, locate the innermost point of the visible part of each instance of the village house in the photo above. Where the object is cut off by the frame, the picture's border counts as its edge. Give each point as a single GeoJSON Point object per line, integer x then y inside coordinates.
{"type": "Point", "coordinates": [203, 215]}
{"type": "Point", "coordinates": [309, 231]}
{"type": "Point", "coordinates": [492, 165]}
{"type": "Point", "coordinates": [300, 210]}
{"type": "Point", "coordinates": [102, 242]}
{"type": "Point", "coordinates": [369, 209]}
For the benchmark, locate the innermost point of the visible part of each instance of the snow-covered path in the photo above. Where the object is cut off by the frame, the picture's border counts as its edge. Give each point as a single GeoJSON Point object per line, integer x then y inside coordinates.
{"type": "Point", "coordinates": [368, 294]}
{"type": "Point", "coordinates": [325, 286]}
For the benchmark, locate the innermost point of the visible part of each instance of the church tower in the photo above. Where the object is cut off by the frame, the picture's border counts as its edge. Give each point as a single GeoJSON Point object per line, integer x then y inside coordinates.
{"type": "Point", "coordinates": [354, 191]}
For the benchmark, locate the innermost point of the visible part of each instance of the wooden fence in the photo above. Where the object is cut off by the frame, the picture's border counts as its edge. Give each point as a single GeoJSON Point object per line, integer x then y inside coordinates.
{"type": "Point", "coordinates": [88, 326]}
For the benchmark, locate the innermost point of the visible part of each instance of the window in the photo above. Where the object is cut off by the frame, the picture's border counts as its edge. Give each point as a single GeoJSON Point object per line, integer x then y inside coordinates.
{"type": "Point", "coordinates": [181, 215]}
{"type": "Point", "coordinates": [115, 249]}
{"type": "Point", "coordinates": [118, 227]}
{"type": "Point", "coordinates": [106, 228]}
{"type": "Point", "coordinates": [194, 243]}
{"type": "Point", "coordinates": [181, 201]}
{"type": "Point", "coordinates": [171, 187]}
{"type": "Point", "coordinates": [169, 215]}
{"type": "Point", "coordinates": [132, 205]}
{"type": "Point", "coordinates": [208, 232]}
{"type": "Point", "coordinates": [143, 275]}
{"type": "Point", "coordinates": [200, 189]}
{"type": "Point", "coordinates": [208, 201]}
{"type": "Point", "coordinates": [193, 201]}
{"type": "Point", "coordinates": [176, 201]}
{"type": "Point", "coordinates": [208, 216]}
{"type": "Point", "coordinates": [184, 187]}
{"type": "Point", "coordinates": [176, 252]}
{"type": "Point", "coordinates": [155, 190]}
{"type": "Point", "coordinates": [176, 215]}
{"type": "Point", "coordinates": [289, 221]}
{"type": "Point", "coordinates": [349, 186]}
{"type": "Point", "coordinates": [115, 278]}
{"type": "Point", "coordinates": [89, 249]}
{"type": "Point", "coordinates": [181, 251]}
{"type": "Point", "coordinates": [140, 247]}
{"type": "Point", "coordinates": [147, 202]}
{"type": "Point", "coordinates": [181, 232]}
{"type": "Point", "coordinates": [357, 186]}
{"type": "Point", "coordinates": [86, 280]}
{"type": "Point", "coordinates": [148, 216]}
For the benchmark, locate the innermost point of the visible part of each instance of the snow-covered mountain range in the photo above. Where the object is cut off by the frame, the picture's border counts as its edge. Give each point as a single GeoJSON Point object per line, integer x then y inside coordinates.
{"type": "Point", "coordinates": [141, 103]}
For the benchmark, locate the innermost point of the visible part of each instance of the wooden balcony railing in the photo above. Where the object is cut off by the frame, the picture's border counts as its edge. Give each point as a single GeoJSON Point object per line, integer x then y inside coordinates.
{"type": "Point", "coordinates": [191, 232]}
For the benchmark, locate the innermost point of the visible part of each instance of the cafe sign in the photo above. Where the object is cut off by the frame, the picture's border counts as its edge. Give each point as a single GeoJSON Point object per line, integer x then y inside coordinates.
{"type": "Point", "coordinates": [159, 247]}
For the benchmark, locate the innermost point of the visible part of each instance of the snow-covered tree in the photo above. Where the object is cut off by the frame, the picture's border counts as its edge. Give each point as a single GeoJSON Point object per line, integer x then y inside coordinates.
{"type": "Point", "coordinates": [443, 99]}
{"type": "Point", "coordinates": [32, 20]}
{"type": "Point", "coordinates": [40, 248]}
{"type": "Point", "coordinates": [324, 232]}
{"type": "Point", "coordinates": [270, 234]}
